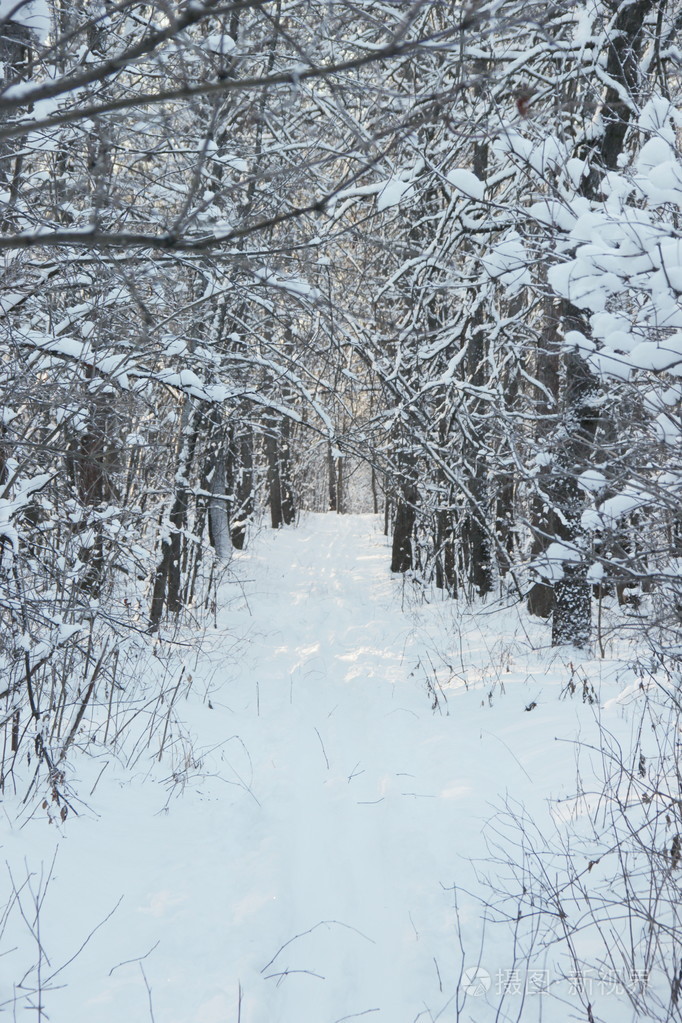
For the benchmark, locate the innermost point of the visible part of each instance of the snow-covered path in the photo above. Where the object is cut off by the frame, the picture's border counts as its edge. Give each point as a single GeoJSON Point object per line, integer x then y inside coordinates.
{"type": "Point", "coordinates": [301, 870]}
{"type": "Point", "coordinates": [358, 767]}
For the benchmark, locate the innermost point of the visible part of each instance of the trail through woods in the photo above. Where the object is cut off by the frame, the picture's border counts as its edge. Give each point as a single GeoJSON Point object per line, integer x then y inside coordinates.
{"type": "Point", "coordinates": [264, 259]}
{"type": "Point", "coordinates": [293, 857]}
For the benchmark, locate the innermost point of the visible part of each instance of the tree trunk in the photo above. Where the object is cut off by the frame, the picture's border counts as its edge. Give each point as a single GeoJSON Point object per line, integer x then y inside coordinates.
{"type": "Point", "coordinates": [340, 495]}
{"type": "Point", "coordinates": [218, 516]}
{"type": "Point", "coordinates": [476, 545]}
{"type": "Point", "coordinates": [242, 474]}
{"type": "Point", "coordinates": [168, 576]}
{"type": "Point", "coordinates": [543, 517]}
{"type": "Point", "coordinates": [573, 594]}
{"type": "Point", "coordinates": [282, 507]}
{"type": "Point", "coordinates": [274, 484]}
{"type": "Point", "coordinates": [288, 503]}
{"type": "Point", "coordinates": [446, 562]}
{"type": "Point", "coordinates": [403, 528]}
{"type": "Point", "coordinates": [572, 617]}
{"type": "Point", "coordinates": [331, 473]}
{"type": "Point", "coordinates": [375, 492]}
{"type": "Point", "coordinates": [477, 553]}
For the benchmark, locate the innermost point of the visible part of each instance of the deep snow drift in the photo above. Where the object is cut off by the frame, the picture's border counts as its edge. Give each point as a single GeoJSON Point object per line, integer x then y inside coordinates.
{"type": "Point", "coordinates": [315, 850]}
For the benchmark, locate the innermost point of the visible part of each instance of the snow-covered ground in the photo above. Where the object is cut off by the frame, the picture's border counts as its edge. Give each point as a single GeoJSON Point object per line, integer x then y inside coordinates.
{"type": "Point", "coordinates": [314, 849]}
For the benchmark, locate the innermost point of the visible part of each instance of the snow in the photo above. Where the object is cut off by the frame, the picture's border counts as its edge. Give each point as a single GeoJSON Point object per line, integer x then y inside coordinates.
{"type": "Point", "coordinates": [9, 535]}
{"type": "Point", "coordinates": [220, 43]}
{"type": "Point", "coordinates": [656, 115]}
{"type": "Point", "coordinates": [467, 183]}
{"type": "Point", "coordinates": [582, 27]}
{"type": "Point", "coordinates": [550, 565]}
{"type": "Point", "coordinates": [607, 363]}
{"type": "Point", "coordinates": [511, 143]}
{"type": "Point", "coordinates": [186, 380]}
{"type": "Point", "coordinates": [667, 178]}
{"type": "Point", "coordinates": [392, 192]}
{"type": "Point", "coordinates": [553, 213]}
{"type": "Point", "coordinates": [654, 152]}
{"type": "Point", "coordinates": [575, 339]}
{"type": "Point", "coordinates": [576, 170]}
{"type": "Point", "coordinates": [61, 345]}
{"type": "Point", "coordinates": [234, 162]}
{"type": "Point", "coordinates": [592, 480]}
{"type": "Point", "coordinates": [667, 429]}
{"type": "Point", "coordinates": [508, 262]}
{"type": "Point", "coordinates": [576, 280]}
{"type": "Point", "coordinates": [604, 324]}
{"type": "Point", "coordinates": [620, 341]}
{"type": "Point", "coordinates": [174, 345]}
{"type": "Point", "coordinates": [608, 513]}
{"type": "Point", "coordinates": [615, 186]}
{"type": "Point", "coordinates": [549, 154]}
{"type": "Point", "coordinates": [289, 284]}
{"type": "Point", "coordinates": [657, 357]}
{"type": "Point", "coordinates": [303, 841]}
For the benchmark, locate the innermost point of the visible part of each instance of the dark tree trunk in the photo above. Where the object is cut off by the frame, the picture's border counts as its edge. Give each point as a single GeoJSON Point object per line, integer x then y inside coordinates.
{"type": "Point", "coordinates": [445, 539]}
{"type": "Point", "coordinates": [375, 491]}
{"type": "Point", "coordinates": [559, 501]}
{"type": "Point", "coordinates": [570, 440]}
{"type": "Point", "coordinates": [340, 492]}
{"type": "Point", "coordinates": [573, 594]}
{"type": "Point", "coordinates": [504, 522]}
{"type": "Point", "coordinates": [403, 528]}
{"type": "Point", "coordinates": [167, 590]}
{"type": "Point", "coordinates": [446, 561]}
{"type": "Point", "coordinates": [91, 461]}
{"type": "Point", "coordinates": [505, 479]}
{"type": "Point", "coordinates": [215, 481]}
{"type": "Point", "coordinates": [331, 472]}
{"type": "Point", "coordinates": [167, 578]}
{"type": "Point", "coordinates": [477, 552]}
{"type": "Point", "coordinates": [92, 487]}
{"type": "Point", "coordinates": [274, 484]}
{"type": "Point", "coordinates": [543, 517]}
{"type": "Point", "coordinates": [476, 546]}
{"type": "Point", "coordinates": [572, 618]}
{"type": "Point", "coordinates": [581, 417]}
{"type": "Point", "coordinates": [286, 486]}
{"type": "Point", "coordinates": [242, 474]}
{"type": "Point", "coordinates": [282, 506]}
{"type": "Point", "coordinates": [476, 527]}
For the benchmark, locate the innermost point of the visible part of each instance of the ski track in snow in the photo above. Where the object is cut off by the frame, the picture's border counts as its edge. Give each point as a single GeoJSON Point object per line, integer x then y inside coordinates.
{"type": "Point", "coordinates": [308, 860]}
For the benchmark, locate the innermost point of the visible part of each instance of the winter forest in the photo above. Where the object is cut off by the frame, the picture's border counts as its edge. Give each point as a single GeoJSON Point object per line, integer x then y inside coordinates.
{"type": "Point", "coordinates": [340, 511]}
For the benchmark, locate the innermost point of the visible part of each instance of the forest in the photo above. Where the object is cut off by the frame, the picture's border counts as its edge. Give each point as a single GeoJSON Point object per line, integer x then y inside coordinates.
{"type": "Point", "coordinates": [271, 259]}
